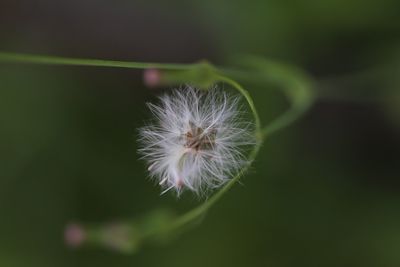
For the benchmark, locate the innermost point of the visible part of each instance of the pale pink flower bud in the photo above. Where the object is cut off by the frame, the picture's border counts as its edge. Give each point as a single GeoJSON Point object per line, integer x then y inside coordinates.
{"type": "Point", "coordinates": [152, 77]}
{"type": "Point", "coordinates": [74, 235]}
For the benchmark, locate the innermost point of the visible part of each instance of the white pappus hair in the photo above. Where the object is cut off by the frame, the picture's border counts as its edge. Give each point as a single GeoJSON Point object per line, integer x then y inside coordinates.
{"type": "Point", "coordinates": [197, 139]}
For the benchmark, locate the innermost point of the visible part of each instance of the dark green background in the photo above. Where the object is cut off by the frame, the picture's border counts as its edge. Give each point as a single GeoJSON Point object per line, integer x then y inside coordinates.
{"type": "Point", "coordinates": [324, 192]}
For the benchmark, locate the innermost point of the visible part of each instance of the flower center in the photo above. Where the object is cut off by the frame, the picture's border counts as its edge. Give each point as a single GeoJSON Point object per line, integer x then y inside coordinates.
{"type": "Point", "coordinates": [199, 139]}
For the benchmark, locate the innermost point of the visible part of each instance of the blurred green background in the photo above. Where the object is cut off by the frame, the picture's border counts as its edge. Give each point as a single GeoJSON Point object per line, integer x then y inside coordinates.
{"type": "Point", "coordinates": [324, 192]}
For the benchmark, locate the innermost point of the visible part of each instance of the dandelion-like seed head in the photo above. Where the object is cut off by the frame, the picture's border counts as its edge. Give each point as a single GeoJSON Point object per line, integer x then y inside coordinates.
{"type": "Point", "coordinates": [197, 140]}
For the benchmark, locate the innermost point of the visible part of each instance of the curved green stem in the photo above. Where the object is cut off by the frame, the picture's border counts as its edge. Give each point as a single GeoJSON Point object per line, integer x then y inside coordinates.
{"type": "Point", "coordinates": [296, 85]}
{"type": "Point", "coordinates": [297, 88]}
{"type": "Point", "coordinates": [249, 100]}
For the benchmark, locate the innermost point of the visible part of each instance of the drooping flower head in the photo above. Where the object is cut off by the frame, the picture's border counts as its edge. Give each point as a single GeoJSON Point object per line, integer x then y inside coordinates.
{"type": "Point", "coordinates": [197, 139]}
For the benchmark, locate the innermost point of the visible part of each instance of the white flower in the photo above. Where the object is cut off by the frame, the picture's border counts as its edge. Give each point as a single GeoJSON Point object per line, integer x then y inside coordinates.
{"type": "Point", "coordinates": [197, 140]}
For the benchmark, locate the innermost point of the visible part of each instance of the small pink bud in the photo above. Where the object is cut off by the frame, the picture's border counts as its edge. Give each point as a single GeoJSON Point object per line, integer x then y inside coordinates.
{"type": "Point", "coordinates": [152, 77]}
{"type": "Point", "coordinates": [74, 235]}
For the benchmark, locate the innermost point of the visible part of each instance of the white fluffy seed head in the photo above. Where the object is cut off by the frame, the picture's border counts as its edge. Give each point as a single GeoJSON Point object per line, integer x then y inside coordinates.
{"type": "Point", "coordinates": [197, 140]}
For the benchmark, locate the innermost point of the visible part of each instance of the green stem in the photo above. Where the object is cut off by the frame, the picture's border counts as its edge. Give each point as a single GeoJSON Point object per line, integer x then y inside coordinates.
{"type": "Point", "coordinates": [51, 60]}
{"type": "Point", "coordinates": [249, 100]}
{"type": "Point", "coordinates": [296, 87]}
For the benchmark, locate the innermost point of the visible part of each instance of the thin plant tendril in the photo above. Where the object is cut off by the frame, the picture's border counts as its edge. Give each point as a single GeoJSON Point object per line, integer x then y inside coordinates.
{"type": "Point", "coordinates": [297, 89]}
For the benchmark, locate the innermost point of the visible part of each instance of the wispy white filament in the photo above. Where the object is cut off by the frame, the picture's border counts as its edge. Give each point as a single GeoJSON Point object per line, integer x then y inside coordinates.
{"type": "Point", "coordinates": [196, 140]}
